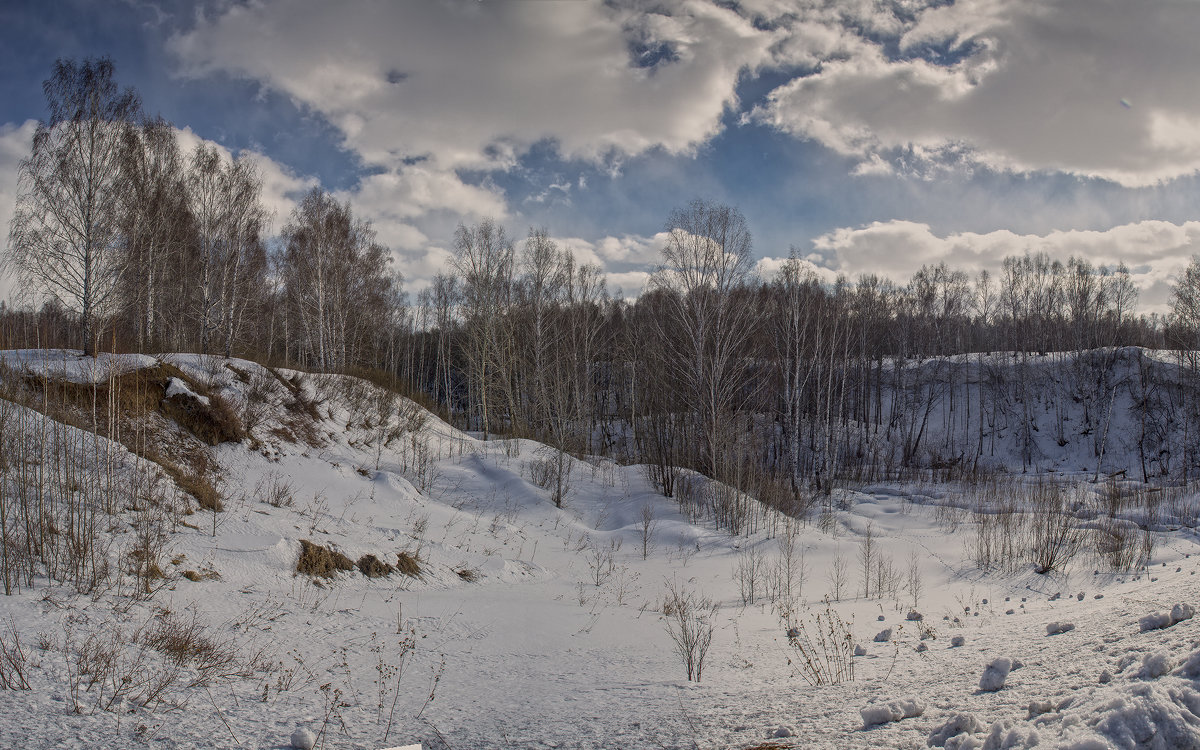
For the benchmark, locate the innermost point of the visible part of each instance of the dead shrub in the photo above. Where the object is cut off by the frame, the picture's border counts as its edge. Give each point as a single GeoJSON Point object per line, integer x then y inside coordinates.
{"type": "Point", "coordinates": [275, 491]}
{"type": "Point", "coordinates": [409, 565]}
{"type": "Point", "coordinates": [198, 486]}
{"type": "Point", "coordinates": [468, 574]}
{"type": "Point", "coordinates": [372, 567]}
{"type": "Point", "coordinates": [13, 660]}
{"type": "Point", "coordinates": [316, 560]}
{"type": "Point", "coordinates": [205, 575]}
{"type": "Point", "coordinates": [188, 642]}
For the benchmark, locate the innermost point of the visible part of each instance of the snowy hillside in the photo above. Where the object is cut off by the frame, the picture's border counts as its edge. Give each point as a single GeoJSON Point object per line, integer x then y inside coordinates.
{"type": "Point", "coordinates": [446, 600]}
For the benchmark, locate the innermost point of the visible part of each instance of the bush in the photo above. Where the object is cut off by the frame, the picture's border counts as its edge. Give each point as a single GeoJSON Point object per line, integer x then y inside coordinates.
{"type": "Point", "coordinates": [316, 560]}
{"type": "Point", "coordinates": [825, 653]}
{"type": "Point", "coordinates": [409, 565]}
{"type": "Point", "coordinates": [372, 567]}
{"type": "Point", "coordinates": [691, 620]}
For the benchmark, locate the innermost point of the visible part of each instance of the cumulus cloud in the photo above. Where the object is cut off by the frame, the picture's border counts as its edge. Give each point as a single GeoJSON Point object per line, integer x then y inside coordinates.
{"type": "Point", "coordinates": [1095, 88]}
{"type": "Point", "coordinates": [1156, 252]}
{"type": "Point", "coordinates": [432, 98]}
{"type": "Point", "coordinates": [422, 91]}
{"type": "Point", "coordinates": [15, 142]}
{"type": "Point", "coordinates": [769, 268]}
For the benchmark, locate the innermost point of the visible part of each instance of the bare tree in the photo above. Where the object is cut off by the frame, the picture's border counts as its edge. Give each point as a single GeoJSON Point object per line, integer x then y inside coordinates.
{"type": "Point", "coordinates": [336, 279]}
{"type": "Point", "coordinates": [706, 259]}
{"type": "Point", "coordinates": [154, 217]}
{"type": "Point", "coordinates": [483, 258]}
{"type": "Point", "coordinates": [64, 238]}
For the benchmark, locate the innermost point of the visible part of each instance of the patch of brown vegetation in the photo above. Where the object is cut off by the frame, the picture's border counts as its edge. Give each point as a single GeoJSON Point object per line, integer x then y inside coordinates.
{"type": "Point", "coordinates": [409, 565]}
{"type": "Point", "coordinates": [372, 567]}
{"type": "Point", "coordinates": [135, 394]}
{"type": "Point", "coordinates": [469, 575]}
{"type": "Point", "coordinates": [133, 409]}
{"type": "Point", "coordinates": [197, 485]}
{"type": "Point", "coordinates": [204, 575]}
{"type": "Point", "coordinates": [316, 560]}
{"type": "Point", "coordinates": [239, 373]}
{"type": "Point", "coordinates": [211, 423]}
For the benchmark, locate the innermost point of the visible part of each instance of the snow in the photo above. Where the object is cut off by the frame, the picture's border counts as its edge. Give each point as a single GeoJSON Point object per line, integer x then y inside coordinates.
{"type": "Point", "coordinates": [957, 724]}
{"type": "Point", "coordinates": [176, 387]}
{"type": "Point", "coordinates": [1165, 619]}
{"type": "Point", "coordinates": [303, 739]}
{"type": "Point", "coordinates": [558, 638]}
{"type": "Point", "coordinates": [896, 710]}
{"type": "Point", "coordinates": [72, 366]}
{"type": "Point", "coordinates": [996, 673]}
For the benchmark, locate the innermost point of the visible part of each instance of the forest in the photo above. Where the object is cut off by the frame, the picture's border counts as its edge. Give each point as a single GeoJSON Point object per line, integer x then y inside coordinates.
{"type": "Point", "coordinates": [781, 387]}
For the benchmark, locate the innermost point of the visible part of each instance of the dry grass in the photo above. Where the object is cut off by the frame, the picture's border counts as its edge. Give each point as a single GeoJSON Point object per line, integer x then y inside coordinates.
{"type": "Point", "coordinates": [468, 574]}
{"type": "Point", "coordinates": [204, 575]}
{"type": "Point", "coordinates": [198, 486]}
{"type": "Point", "coordinates": [140, 392]}
{"type": "Point", "coordinates": [316, 560]}
{"type": "Point", "coordinates": [212, 423]}
{"type": "Point", "coordinates": [409, 565]}
{"type": "Point", "coordinates": [372, 567]}
{"type": "Point", "coordinates": [137, 398]}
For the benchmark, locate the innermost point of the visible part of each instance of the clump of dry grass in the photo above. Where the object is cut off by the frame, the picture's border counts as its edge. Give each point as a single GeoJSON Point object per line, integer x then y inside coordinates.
{"type": "Point", "coordinates": [197, 485]}
{"type": "Point", "coordinates": [409, 565]}
{"type": "Point", "coordinates": [470, 575]}
{"type": "Point", "coordinates": [204, 575]}
{"type": "Point", "coordinates": [316, 560]}
{"type": "Point", "coordinates": [372, 567]}
{"type": "Point", "coordinates": [211, 423]}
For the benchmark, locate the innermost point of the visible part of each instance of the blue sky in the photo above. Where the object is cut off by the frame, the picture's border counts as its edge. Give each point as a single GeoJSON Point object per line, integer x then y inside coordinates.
{"type": "Point", "coordinates": [870, 136]}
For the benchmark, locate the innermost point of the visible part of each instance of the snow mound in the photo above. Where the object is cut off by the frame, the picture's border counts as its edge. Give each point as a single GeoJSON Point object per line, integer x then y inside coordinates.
{"type": "Point", "coordinates": [956, 725]}
{"type": "Point", "coordinates": [897, 710]}
{"type": "Point", "coordinates": [176, 387]}
{"type": "Point", "coordinates": [1055, 628]}
{"type": "Point", "coordinates": [1155, 665]}
{"type": "Point", "coordinates": [303, 739]}
{"type": "Point", "coordinates": [1146, 714]}
{"type": "Point", "coordinates": [996, 673]}
{"type": "Point", "coordinates": [883, 636]}
{"type": "Point", "coordinates": [1159, 620]}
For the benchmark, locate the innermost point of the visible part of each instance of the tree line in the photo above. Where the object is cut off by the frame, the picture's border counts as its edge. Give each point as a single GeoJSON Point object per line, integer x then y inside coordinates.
{"type": "Point", "coordinates": [777, 387]}
{"type": "Point", "coordinates": [127, 237]}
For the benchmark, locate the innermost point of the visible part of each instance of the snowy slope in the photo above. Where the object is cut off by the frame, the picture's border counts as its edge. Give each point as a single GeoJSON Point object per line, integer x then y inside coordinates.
{"type": "Point", "coordinates": [537, 626]}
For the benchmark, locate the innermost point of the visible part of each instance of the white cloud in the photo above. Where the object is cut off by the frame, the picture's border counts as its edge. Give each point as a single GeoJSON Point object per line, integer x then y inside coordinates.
{"type": "Point", "coordinates": [628, 284]}
{"type": "Point", "coordinates": [15, 142]}
{"type": "Point", "coordinates": [425, 90]}
{"type": "Point", "coordinates": [1021, 85]}
{"type": "Point", "coordinates": [1155, 251]}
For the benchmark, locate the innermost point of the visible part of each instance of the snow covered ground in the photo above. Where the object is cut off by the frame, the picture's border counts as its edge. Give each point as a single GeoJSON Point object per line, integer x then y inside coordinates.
{"type": "Point", "coordinates": [536, 626]}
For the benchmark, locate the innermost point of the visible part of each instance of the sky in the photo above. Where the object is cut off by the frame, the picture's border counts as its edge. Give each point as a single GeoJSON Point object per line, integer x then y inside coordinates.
{"type": "Point", "coordinates": [867, 137]}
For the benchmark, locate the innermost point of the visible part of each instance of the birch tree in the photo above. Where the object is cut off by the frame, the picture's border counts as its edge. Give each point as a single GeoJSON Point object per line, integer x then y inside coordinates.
{"type": "Point", "coordinates": [64, 238]}
{"type": "Point", "coordinates": [706, 258]}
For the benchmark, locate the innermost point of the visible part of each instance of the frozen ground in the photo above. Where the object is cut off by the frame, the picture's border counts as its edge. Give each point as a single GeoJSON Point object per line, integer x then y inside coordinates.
{"type": "Point", "coordinates": [559, 639]}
